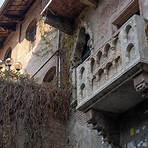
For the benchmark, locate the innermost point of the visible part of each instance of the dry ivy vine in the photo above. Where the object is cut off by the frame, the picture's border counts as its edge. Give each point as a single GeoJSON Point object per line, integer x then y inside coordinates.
{"type": "Point", "coordinates": [25, 103]}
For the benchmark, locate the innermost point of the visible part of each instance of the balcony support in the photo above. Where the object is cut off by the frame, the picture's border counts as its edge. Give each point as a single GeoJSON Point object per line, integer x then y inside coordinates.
{"type": "Point", "coordinates": [107, 124]}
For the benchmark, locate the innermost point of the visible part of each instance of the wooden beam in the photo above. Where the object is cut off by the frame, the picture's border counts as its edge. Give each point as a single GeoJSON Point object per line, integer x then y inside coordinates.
{"type": "Point", "coordinates": [8, 26]}
{"type": "Point", "coordinates": [14, 17]}
{"type": "Point", "coordinates": [64, 24]}
{"type": "Point", "coordinates": [4, 34]}
{"type": "Point", "coordinates": [90, 3]}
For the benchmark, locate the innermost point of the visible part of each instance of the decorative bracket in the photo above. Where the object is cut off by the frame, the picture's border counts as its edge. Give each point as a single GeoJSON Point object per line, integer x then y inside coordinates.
{"type": "Point", "coordinates": [107, 125]}
{"type": "Point", "coordinates": [141, 82]}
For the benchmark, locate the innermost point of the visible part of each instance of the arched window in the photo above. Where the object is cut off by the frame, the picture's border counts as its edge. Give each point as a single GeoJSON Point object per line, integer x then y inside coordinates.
{"type": "Point", "coordinates": [8, 54]}
{"type": "Point", "coordinates": [31, 31]}
{"type": "Point", "coordinates": [49, 77]}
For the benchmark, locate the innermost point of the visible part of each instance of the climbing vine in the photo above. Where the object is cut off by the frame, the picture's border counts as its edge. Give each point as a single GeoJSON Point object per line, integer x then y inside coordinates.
{"type": "Point", "coordinates": [67, 44]}
{"type": "Point", "coordinates": [27, 109]}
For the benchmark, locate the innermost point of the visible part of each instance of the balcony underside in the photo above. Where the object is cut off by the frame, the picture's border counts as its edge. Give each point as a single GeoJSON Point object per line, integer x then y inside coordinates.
{"type": "Point", "coordinates": [62, 14]}
{"type": "Point", "coordinates": [119, 96]}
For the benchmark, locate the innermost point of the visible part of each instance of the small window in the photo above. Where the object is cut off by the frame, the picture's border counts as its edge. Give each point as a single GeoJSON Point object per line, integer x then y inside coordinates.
{"type": "Point", "coordinates": [31, 31]}
{"type": "Point", "coordinates": [8, 54]}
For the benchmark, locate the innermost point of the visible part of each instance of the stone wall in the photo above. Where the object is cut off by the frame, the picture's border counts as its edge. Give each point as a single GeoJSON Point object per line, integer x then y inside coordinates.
{"type": "Point", "coordinates": [99, 20]}
{"type": "Point", "coordinates": [80, 134]}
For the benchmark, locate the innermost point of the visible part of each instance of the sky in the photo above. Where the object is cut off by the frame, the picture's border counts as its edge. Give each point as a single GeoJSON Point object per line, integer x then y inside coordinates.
{"type": "Point", "coordinates": [1, 2]}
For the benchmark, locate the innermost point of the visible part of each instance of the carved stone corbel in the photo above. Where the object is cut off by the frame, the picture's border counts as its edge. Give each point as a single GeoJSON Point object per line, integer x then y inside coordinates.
{"type": "Point", "coordinates": [141, 82]}
{"type": "Point", "coordinates": [107, 125]}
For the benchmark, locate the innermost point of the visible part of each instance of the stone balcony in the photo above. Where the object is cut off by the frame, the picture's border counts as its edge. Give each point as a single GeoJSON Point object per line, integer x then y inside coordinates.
{"type": "Point", "coordinates": [108, 79]}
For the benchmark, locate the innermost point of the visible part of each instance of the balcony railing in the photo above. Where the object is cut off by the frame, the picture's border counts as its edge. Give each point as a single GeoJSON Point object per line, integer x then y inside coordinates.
{"type": "Point", "coordinates": [112, 65]}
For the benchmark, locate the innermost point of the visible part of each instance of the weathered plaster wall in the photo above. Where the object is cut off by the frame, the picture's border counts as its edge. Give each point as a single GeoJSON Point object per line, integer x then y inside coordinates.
{"type": "Point", "coordinates": [81, 135]}
{"type": "Point", "coordinates": [33, 59]}
{"type": "Point", "coordinates": [99, 20]}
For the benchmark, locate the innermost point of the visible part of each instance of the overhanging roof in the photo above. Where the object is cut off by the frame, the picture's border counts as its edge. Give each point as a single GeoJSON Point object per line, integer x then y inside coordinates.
{"type": "Point", "coordinates": [12, 12]}
{"type": "Point", "coordinates": [66, 8]}
{"type": "Point", "coordinates": [62, 13]}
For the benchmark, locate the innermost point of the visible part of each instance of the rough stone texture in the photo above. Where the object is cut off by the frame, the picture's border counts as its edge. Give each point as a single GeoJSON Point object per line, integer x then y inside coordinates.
{"type": "Point", "coordinates": [118, 56]}
{"type": "Point", "coordinates": [81, 134]}
{"type": "Point", "coordinates": [100, 19]}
